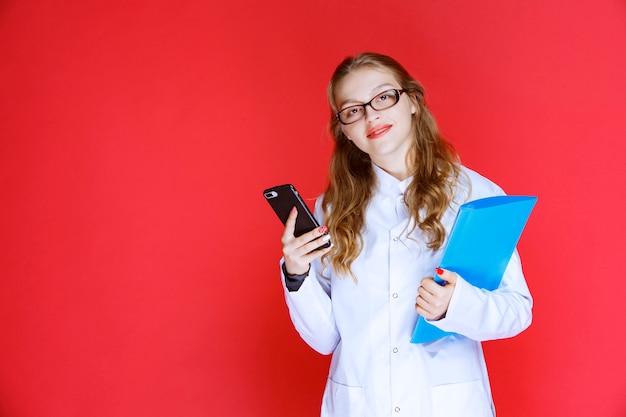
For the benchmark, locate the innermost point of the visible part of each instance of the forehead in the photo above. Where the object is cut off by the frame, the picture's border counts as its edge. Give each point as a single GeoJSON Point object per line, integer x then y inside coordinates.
{"type": "Point", "coordinates": [361, 84]}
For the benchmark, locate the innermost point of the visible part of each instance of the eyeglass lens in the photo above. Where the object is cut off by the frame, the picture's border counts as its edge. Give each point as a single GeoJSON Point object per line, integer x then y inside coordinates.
{"type": "Point", "coordinates": [382, 101]}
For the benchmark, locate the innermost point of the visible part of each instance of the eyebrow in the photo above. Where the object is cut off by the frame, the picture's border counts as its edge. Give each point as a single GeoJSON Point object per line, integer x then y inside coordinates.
{"type": "Point", "coordinates": [357, 102]}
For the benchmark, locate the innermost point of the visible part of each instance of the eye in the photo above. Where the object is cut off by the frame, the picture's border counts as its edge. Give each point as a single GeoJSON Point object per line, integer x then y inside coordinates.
{"type": "Point", "coordinates": [384, 96]}
{"type": "Point", "coordinates": [352, 113]}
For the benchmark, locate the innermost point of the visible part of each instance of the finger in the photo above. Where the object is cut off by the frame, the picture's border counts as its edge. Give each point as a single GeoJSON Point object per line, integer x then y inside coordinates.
{"type": "Point", "coordinates": [302, 261]}
{"type": "Point", "coordinates": [420, 304]}
{"type": "Point", "coordinates": [308, 241]}
{"type": "Point", "coordinates": [446, 275]}
{"type": "Point", "coordinates": [315, 233]}
{"type": "Point", "coordinates": [313, 245]}
{"type": "Point", "coordinates": [430, 309]}
{"type": "Point", "coordinates": [429, 284]}
{"type": "Point", "coordinates": [314, 254]}
{"type": "Point", "coordinates": [422, 308]}
{"type": "Point", "coordinates": [424, 292]}
{"type": "Point", "coordinates": [430, 301]}
{"type": "Point", "coordinates": [301, 251]}
{"type": "Point", "coordinates": [290, 224]}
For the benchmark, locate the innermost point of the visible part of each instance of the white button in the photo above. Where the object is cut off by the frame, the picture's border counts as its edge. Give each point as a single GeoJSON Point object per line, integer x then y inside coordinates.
{"type": "Point", "coordinates": [395, 295]}
{"type": "Point", "coordinates": [397, 409]}
{"type": "Point", "coordinates": [395, 350]}
{"type": "Point", "coordinates": [396, 238]}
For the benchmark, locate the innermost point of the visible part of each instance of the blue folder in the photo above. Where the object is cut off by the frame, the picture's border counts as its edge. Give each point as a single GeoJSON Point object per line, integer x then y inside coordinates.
{"type": "Point", "coordinates": [480, 246]}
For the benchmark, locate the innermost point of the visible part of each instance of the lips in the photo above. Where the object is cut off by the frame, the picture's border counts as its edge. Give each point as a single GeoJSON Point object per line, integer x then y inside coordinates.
{"type": "Point", "coordinates": [378, 131]}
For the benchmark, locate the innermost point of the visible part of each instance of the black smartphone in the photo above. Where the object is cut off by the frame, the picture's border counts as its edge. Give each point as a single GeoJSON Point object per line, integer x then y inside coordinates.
{"type": "Point", "coordinates": [283, 198]}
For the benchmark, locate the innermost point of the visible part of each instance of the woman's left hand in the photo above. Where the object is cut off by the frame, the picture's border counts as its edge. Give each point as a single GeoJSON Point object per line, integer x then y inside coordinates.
{"type": "Point", "coordinates": [433, 299]}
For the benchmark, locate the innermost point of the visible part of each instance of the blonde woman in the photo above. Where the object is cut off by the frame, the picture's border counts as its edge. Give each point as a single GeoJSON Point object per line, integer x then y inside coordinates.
{"type": "Point", "coordinates": [395, 188]}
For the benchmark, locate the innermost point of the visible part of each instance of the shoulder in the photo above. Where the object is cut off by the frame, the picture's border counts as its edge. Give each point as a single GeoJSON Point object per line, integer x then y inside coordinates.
{"type": "Point", "coordinates": [319, 212]}
{"type": "Point", "coordinates": [473, 185]}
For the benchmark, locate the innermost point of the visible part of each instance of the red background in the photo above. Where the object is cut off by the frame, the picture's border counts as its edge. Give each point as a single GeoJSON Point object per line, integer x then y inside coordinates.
{"type": "Point", "coordinates": [139, 261]}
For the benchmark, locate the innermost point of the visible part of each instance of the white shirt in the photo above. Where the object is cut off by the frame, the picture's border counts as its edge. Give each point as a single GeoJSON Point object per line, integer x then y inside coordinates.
{"type": "Point", "coordinates": [367, 325]}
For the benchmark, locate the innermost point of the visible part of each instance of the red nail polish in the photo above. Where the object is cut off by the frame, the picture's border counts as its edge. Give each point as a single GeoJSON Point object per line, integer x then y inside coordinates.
{"type": "Point", "coordinates": [439, 271]}
{"type": "Point", "coordinates": [322, 229]}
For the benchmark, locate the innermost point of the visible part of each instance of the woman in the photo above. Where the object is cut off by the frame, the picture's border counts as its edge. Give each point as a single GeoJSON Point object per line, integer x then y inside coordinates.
{"type": "Point", "coordinates": [395, 188]}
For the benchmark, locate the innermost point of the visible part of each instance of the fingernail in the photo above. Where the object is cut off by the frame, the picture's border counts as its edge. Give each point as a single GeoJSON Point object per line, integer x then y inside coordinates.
{"type": "Point", "coordinates": [439, 271]}
{"type": "Point", "coordinates": [322, 229]}
{"type": "Point", "coordinates": [293, 209]}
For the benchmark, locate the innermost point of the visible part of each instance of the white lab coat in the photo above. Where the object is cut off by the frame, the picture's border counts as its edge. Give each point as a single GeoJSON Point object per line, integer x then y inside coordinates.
{"type": "Point", "coordinates": [367, 325]}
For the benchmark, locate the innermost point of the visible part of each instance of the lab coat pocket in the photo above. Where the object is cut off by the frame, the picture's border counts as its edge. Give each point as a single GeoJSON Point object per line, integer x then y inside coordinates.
{"type": "Point", "coordinates": [461, 399]}
{"type": "Point", "coordinates": [342, 400]}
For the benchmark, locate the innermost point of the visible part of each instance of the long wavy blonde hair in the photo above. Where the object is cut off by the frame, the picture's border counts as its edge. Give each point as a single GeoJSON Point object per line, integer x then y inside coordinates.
{"type": "Point", "coordinates": [432, 161]}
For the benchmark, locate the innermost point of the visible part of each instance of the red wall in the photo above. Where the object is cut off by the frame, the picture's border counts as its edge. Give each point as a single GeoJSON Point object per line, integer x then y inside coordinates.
{"type": "Point", "coordinates": [139, 262]}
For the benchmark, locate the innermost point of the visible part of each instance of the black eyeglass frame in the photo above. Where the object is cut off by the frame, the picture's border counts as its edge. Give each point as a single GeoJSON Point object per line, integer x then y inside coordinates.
{"type": "Point", "coordinates": [396, 92]}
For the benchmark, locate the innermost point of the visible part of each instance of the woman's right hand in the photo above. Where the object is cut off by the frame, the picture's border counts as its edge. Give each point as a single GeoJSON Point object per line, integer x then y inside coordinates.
{"type": "Point", "coordinates": [300, 251]}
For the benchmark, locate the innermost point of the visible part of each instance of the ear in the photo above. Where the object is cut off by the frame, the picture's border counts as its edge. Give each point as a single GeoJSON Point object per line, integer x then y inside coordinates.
{"type": "Point", "coordinates": [414, 105]}
{"type": "Point", "coordinates": [345, 134]}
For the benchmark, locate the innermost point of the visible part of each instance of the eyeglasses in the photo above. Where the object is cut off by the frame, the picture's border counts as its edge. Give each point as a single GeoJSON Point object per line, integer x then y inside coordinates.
{"type": "Point", "coordinates": [382, 101]}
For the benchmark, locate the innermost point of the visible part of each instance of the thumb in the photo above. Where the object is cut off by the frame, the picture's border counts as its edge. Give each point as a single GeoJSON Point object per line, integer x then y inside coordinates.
{"type": "Point", "coordinates": [445, 275]}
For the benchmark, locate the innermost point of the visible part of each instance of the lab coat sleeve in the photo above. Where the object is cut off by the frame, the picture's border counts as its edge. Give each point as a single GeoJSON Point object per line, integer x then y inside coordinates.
{"type": "Point", "coordinates": [310, 309]}
{"type": "Point", "coordinates": [482, 315]}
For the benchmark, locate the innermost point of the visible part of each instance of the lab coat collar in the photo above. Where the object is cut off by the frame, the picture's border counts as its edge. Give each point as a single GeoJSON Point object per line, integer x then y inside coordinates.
{"type": "Point", "coordinates": [390, 185]}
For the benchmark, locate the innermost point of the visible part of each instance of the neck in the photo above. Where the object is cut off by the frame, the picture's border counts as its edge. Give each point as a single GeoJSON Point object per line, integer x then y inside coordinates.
{"type": "Point", "coordinates": [398, 170]}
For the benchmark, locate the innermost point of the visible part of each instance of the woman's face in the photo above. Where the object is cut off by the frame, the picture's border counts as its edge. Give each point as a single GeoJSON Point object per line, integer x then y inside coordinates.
{"type": "Point", "coordinates": [385, 135]}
